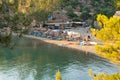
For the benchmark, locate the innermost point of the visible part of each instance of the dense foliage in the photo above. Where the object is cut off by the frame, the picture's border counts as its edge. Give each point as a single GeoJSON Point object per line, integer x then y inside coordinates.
{"type": "Point", "coordinates": [17, 15]}
{"type": "Point", "coordinates": [116, 4]}
{"type": "Point", "coordinates": [110, 35]}
{"type": "Point", "coordinates": [58, 75]}
{"type": "Point", "coordinates": [90, 8]}
{"type": "Point", "coordinates": [104, 76]}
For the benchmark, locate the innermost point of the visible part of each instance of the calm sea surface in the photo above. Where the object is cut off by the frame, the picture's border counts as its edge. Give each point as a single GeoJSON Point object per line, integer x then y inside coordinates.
{"type": "Point", "coordinates": [35, 60]}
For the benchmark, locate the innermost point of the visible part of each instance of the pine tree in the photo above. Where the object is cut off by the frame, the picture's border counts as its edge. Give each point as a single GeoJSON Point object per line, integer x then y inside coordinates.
{"type": "Point", "coordinates": [17, 14]}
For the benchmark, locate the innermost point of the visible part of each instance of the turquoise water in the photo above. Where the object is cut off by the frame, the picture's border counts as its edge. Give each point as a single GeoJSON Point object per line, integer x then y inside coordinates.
{"type": "Point", "coordinates": [36, 60]}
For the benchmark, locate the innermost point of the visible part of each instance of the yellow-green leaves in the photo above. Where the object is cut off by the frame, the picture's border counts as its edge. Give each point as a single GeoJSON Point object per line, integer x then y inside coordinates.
{"type": "Point", "coordinates": [11, 1]}
{"type": "Point", "coordinates": [110, 30]}
{"type": "Point", "coordinates": [104, 76]}
{"type": "Point", "coordinates": [0, 2]}
{"type": "Point", "coordinates": [109, 34]}
{"type": "Point", "coordinates": [27, 6]}
{"type": "Point", "coordinates": [58, 75]}
{"type": "Point", "coordinates": [118, 4]}
{"type": "Point", "coordinates": [90, 73]}
{"type": "Point", "coordinates": [102, 20]}
{"type": "Point", "coordinates": [49, 5]}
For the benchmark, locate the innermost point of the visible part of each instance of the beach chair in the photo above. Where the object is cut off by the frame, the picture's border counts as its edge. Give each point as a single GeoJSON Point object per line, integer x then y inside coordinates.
{"type": "Point", "coordinates": [82, 43]}
{"type": "Point", "coordinates": [39, 34]}
{"type": "Point", "coordinates": [31, 33]}
{"type": "Point", "coordinates": [59, 38]}
{"type": "Point", "coordinates": [49, 36]}
{"type": "Point", "coordinates": [43, 36]}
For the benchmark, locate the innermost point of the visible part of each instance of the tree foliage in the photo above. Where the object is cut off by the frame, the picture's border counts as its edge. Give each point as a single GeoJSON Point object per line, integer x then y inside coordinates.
{"type": "Point", "coordinates": [58, 75]}
{"type": "Point", "coordinates": [116, 4]}
{"type": "Point", "coordinates": [104, 76]}
{"type": "Point", "coordinates": [18, 14]}
{"type": "Point", "coordinates": [110, 35]}
{"type": "Point", "coordinates": [90, 8]}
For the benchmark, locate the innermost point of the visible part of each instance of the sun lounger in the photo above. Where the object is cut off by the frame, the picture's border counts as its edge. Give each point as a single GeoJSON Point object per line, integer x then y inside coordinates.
{"type": "Point", "coordinates": [82, 43]}
{"type": "Point", "coordinates": [93, 43]}
{"type": "Point", "coordinates": [43, 36]}
{"type": "Point", "coordinates": [49, 36]}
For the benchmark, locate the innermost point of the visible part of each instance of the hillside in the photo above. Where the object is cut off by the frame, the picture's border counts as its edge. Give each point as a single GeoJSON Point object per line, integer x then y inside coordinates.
{"type": "Point", "coordinates": [86, 10]}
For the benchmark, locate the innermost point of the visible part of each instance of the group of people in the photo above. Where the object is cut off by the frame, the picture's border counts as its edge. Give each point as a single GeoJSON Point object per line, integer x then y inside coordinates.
{"type": "Point", "coordinates": [61, 35]}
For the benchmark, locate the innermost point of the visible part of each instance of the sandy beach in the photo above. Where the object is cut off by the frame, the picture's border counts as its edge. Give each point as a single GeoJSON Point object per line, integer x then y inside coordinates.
{"type": "Point", "coordinates": [68, 44]}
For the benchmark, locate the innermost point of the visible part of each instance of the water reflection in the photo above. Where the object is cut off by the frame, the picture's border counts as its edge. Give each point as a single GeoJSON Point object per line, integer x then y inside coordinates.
{"type": "Point", "coordinates": [35, 60]}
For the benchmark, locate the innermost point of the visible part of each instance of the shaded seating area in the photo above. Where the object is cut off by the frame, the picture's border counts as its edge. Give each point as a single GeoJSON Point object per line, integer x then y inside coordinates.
{"type": "Point", "coordinates": [78, 35]}
{"type": "Point", "coordinates": [48, 34]}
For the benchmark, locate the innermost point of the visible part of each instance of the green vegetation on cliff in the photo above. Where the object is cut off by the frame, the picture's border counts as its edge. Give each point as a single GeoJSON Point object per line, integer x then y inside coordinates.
{"type": "Point", "coordinates": [88, 9]}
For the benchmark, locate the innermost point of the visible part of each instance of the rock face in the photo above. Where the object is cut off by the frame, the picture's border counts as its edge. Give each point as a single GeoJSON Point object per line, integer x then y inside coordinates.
{"type": "Point", "coordinates": [117, 13]}
{"type": "Point", "coordinates": [59, 16]}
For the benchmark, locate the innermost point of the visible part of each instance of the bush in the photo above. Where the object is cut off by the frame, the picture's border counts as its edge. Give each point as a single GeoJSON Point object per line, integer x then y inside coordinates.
{"type": "Point", "coordinates": [85, 16]}
{"type": "Point", "coordinates": [72, 15]}
{"type": "Point", "coordinates": [58, 75]}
